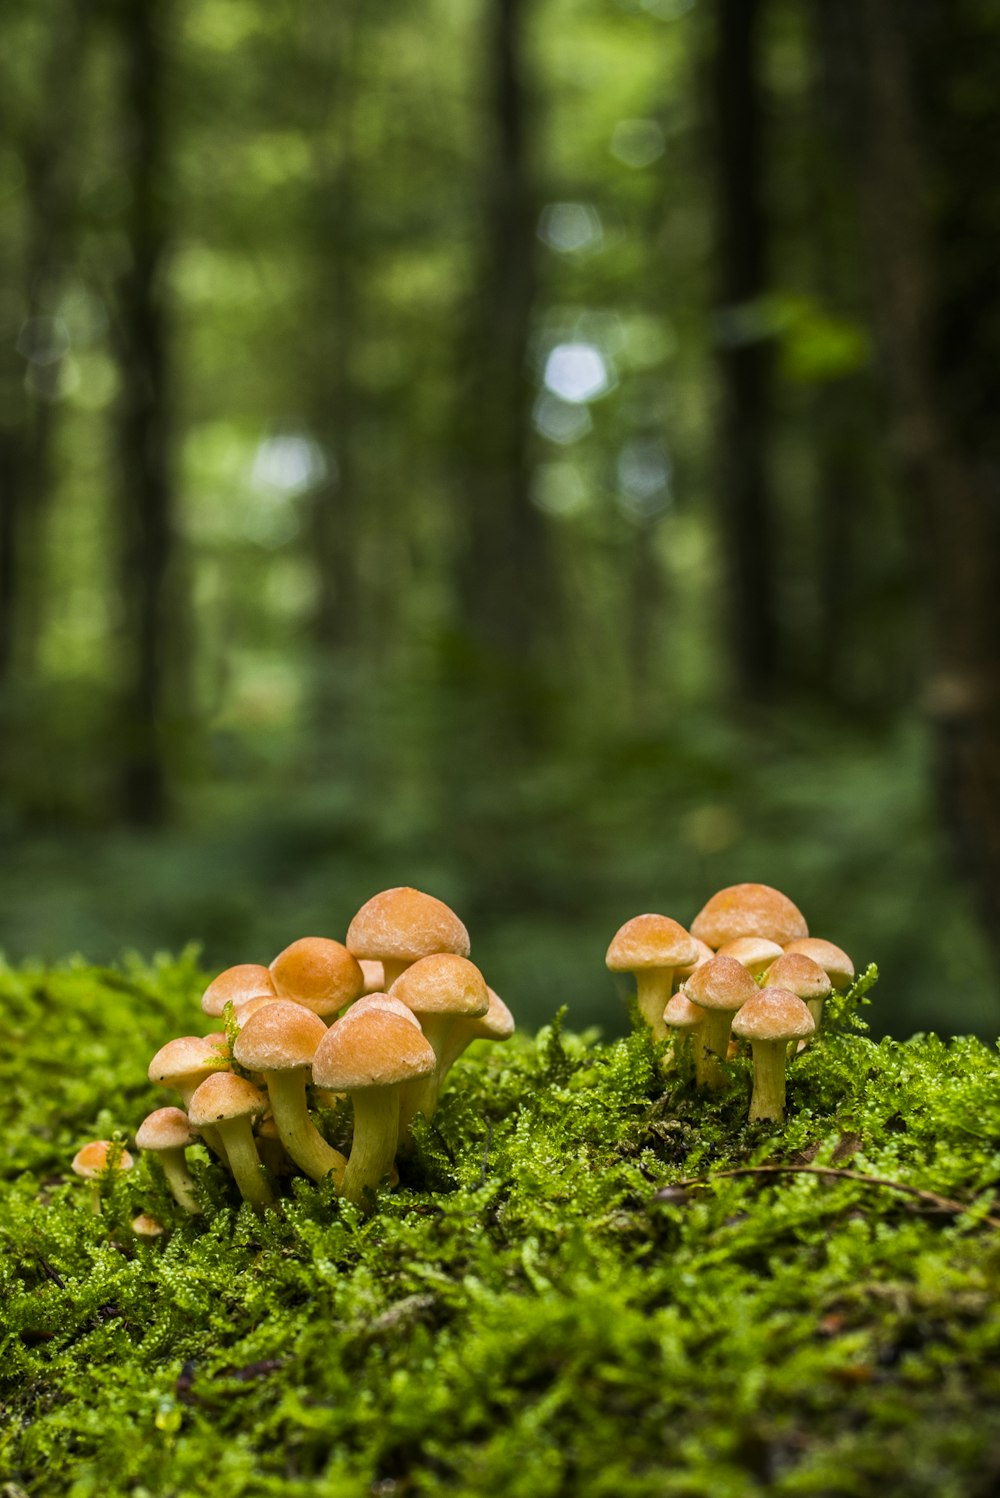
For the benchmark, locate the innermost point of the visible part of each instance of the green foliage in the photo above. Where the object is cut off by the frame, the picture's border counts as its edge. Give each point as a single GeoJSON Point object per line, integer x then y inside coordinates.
{"type": "Point", "coordinates": [522, 1316]}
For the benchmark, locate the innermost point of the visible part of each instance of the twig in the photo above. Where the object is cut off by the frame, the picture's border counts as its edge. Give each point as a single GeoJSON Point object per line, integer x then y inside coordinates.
{"type": "Point", "coordinates": [943, 1203]}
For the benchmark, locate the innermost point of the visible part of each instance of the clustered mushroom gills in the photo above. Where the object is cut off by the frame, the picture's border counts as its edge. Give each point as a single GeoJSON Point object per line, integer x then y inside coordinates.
{"type": "Point", "coordinates": [317, 1028]}
{"type": "Point", "coordinates": [747, 967]}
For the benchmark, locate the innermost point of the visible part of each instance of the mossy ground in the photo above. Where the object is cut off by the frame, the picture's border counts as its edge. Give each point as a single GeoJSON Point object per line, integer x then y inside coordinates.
{"type": "Point", "coordinates": [522, 1316]}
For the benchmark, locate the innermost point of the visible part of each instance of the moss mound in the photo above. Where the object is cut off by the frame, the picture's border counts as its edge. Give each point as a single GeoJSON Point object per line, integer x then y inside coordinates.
{"type": "Point", "coordinates": [525, 1315]}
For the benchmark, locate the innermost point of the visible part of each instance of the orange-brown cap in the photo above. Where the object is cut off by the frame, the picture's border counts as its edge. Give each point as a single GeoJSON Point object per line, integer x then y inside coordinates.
{"type": "Point", "coordinates": [799, 975]}
{"type": "Point", "coordinates": [705, 954]}
{"type": "Point", "coordinates": [774, 1014]}
{"type": "Point", "coordinates": [92, 1159]}
{"type": "Point", "coordinates": [166, 1129]}
{"type": "Point", "coordinates": [681, 1014]}
{"type": "Point", "coordinates": [496, 1024]}
{"type": "Point", "coordinates": [371, 1047]}
{"type": "Point", "coordinates": [387, 1004]}
{"type": "Point", "coordinates": [404, 924]}
{"type": "Point", "coordinates": [319, 973]}
{"type": "Point", "coordinates": [442, 984]}
{"type": "Point", "coordinates": [242, 1012]}
{"type": "Point", "coordinates": [748, 910]}
{"type": "Point", "coordinates": [145, 1226]}
{"type": "Point", "coordinates": [235, 986]}
{"type": "Point", "coordinates": [279, 1037]}
{"type": "Point", "coordinates": [225, 1096]}
{"type": "Point", "coordinates": [832, 959]}
{"type": "Point", "coordinates": [722, 983]}
{"type": "Point", "coordinates": [650, 941]}
{"type": "Point", "coordinates": [755, 952]}
{"type": "Point", "coordinates": [188, 1060]}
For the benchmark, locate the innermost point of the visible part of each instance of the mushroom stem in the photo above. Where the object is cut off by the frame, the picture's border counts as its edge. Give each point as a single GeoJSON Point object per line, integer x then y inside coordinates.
{"type": "Point", "coordinates": [768, 1100]}
{"type": "Point", "coordinates": [179, 1180]}
{"type": "Point", "coordinates": [244, 1162]}
{"type": "Point", "coordinates": [711, 1049]}
{"type": "Point", "coordinates": [208, 1134]}
{"type": "Point", "coordinates": [421, 1094]}
{"type": "Point", "coordinates": [298, 1133]}
{"type": "Point", "coordinates": [391, 968]}
{"type": "Point", "coordinates": [376, 1132]}
{"type": "Point", "coordinates": [653, 985]}
{"type": "Point", "coordinates": [815, 1007]}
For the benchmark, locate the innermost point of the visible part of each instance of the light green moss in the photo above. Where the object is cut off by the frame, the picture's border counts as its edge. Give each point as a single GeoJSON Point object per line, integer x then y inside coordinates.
{"type": "Point", "coordinates": [521, 1317]}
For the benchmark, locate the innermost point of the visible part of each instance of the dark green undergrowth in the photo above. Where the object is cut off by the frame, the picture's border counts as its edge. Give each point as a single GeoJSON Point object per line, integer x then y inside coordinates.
{"type": "Point", "coordinates": [523, 1315]}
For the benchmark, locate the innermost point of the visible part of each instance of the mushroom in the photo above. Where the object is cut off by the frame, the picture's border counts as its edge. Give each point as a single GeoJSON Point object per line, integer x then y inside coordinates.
{"type": "Point", "coordinates": [651, 947]}
{"type": "Point", "coordinates": [183, 1064]}
{"type": "Point", "coordinates": [230, 1104]}
{"type": "Point", "coordinates": [832, 959]}
{"type": "Point", "coordinates": [748, 910]}
{"type": "Point", "coordinates": [401, 925]}
{"type": "Point", "coordinates": [804, 978]}
{"type": "Point", "coordinates": [167, 1133]}
{"type": "Point", "coordinates": [720, 988]}
{"type": "Point", "coordinates": [370, 1054]}
{"type": "Point", "coordinates": [755, 952]}
{"type": "Point", "coordinates": [683, 1018]}
{"type": "Point", "coordinates": [496, 1024]}
{"type": "Point", "coordinates": [280, 1041]}
{"type": "Point", "coordinates": [235, 986]}
{"type": "Point", "coordinates": [147, 1228]}
{"type": "Point", "coordinates": [94, 1161]}
{"type": "Point", "coordinates": [769, 1021]}
{"type": "Point", "coordinates": [242, 1012]}
{"type": "Point", "coordinates": [705, 954]}
{"type": "Point", "coordinates": [319, 974]}
{"type": "Point", "coordinates": [439, 990]}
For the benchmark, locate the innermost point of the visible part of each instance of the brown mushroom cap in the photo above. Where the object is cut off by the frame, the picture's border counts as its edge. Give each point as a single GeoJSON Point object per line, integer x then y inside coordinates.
{"type": "Point", "coordinates": [404, 924]}
{"type": "Point", "coordinates": [442, 984]}
{"type": "Point", "coordinates": [279, 1037]}
{"type": "Point", "coordinates": [722, 983]}
{"type": "Point", "coordinates": [92, 1159]}
{"type": "Point", "coordinates": [371, 1047]}
{"type": "Point", "coordinates": [319, 973]}
{"type": "Point", "coordinates": [705, 954]}
{"type": "Point", "coordinates": [235, 986]}
{"type": "Point", "coordinates": [681, 1014]}
{"type": "Point", "coordinates": [224, 1096]}
{"type": "Point", "coordinates": [650, 941]}
{"type": "Point", "coordinates": [188, 1060]}
{"type": "Point", "coordinates": [832, 959]}
{"type": "Point", "coordinates": [242, 1012]}
{"type": "Point", "coordinates": [774, 1014]}
{"type": "Point", "coordinates": [755, 952]}
{"type": "Point", "coordinates": [496, 1024]}
{"type": "Point", "coordinates": [748, 910]}
{"type": "Point", "coordinates": [145, 1226]}
{"type": "Point", "coordinates": [387, 1004]}
{"type": "Point", "coordinates": [166, 1129]}
{"type": "Point", "coordinates": [799, 975]}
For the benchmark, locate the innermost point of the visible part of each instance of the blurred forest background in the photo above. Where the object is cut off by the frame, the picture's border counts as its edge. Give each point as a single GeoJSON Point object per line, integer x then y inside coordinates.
{"type": "Point", "coordinates": [546, 453]}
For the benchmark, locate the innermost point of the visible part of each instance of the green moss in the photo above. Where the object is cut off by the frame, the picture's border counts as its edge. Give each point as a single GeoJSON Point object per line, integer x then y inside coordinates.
{"type": "Point", "coordinates": [522, 1316]}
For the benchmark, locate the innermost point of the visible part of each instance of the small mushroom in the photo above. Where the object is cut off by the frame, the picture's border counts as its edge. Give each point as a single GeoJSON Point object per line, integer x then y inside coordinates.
{"type": "Point", "coordinates": [755, 952]}
{"type": "Point", "coordinates": [832, 959]}
{"type": "Point", "coordinates": [371, 1053]}
{"type": "Point", "coordinates": [496, 1024]}
{"type": "Point", "coordinates": [683, 1018]}
{"type": "Point", "coordinates": [230, 1104]}
{"type": "Point", "coordinates": [651, 947]}
{"type": "Point", "coordinates": [682, 974]}
{"type": "Point", "coordinates": [319, 974]}
{"type": "Point", "coordinates": [167, 1133]}
{"type": "Point", "coordinates": [401, 925]}
{"type": "Point", "coordinates": [183, 1064]}
{"type": "Point", "coordinates": [720, 988]}
{"type": "Point", "coordinates": [95, 1160]}
{"type": "Point", "coordinates": [235, 986]}
{"type": "Point", "coordinates": [748, 910]}
{"type": "Point", "coordinates": [440, 991]}
{"type": "Point", "coordinates": [802, 977]}
{"type": "Point", "coordinates": [769, 1021]}
{"type": "Point", "coordinates": [147, 1228]}
{"type": "Point", "coordinates": [280, 1041]}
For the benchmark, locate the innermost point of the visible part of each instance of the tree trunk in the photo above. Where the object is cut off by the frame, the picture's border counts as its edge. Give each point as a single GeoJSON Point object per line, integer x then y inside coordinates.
{"type": "Point", "coordinates": [744, 353]}
{"type": "Point", "coordinates": [144, 419]}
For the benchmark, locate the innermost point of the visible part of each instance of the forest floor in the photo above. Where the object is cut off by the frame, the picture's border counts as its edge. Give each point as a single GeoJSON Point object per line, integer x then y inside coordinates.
{"type": "Point", "coordinates": [540, 1308]}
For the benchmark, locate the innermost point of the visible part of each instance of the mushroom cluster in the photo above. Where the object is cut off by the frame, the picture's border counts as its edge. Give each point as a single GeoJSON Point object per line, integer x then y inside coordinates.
{"type": "Point", "coordinates": [747, 968]}
{"type": "Point", "coordinates": [378, 1020]}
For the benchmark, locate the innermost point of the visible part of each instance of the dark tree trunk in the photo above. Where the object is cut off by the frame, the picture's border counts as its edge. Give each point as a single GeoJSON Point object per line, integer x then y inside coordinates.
{"type": "Point", "coordinates": [144, 419]}
{"type": "Point", "coordinates": [932, 162]}
{"type": "Point", "coordinates": [745, 355]}
{"type": "Point", "coordinates": [505, 580]}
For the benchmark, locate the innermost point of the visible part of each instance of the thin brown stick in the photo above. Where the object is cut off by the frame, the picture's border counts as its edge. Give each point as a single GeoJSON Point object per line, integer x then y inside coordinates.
{"type": "Point", "coordinates": [943, 1203]}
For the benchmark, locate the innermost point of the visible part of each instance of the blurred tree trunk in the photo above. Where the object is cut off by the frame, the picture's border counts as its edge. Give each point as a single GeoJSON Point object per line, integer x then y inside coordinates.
{"type": "Point", "coordinates": [505, 580]}
{"type": "Point", "coordinates": [744, 349]}
{"type": "Point", "coordinates": [933, 166]}
{"type": "Point", "coordinates": [144, 433]}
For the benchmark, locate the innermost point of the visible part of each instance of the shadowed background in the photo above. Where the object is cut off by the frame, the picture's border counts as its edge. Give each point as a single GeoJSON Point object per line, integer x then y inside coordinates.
{"type": "Point", "coordinates": [542, 453]}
